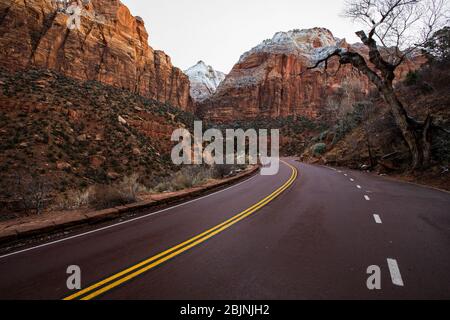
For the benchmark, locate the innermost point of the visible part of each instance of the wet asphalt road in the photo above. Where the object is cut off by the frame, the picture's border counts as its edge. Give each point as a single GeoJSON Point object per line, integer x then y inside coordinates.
{"type": "Point", "coordinates": [314, 241]}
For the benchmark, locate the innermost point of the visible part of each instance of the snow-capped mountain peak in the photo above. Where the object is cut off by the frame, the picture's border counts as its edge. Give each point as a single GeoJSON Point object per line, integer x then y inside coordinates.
{"type": "Point", "coordinates": [306, 42]}
{"type": "Point", "coordinates": [204, 80]}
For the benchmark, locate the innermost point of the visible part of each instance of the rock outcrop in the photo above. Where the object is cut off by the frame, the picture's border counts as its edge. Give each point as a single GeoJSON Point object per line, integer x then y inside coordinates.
{"type": "Point", "coordinates": [111, 46]}
{"type": "Point", "coordinates": [272, 79]}
{"type": "Point", "coordinates": [204, 81]}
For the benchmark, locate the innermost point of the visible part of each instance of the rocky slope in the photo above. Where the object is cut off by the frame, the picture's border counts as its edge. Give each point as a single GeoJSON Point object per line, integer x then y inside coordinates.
{"type": "Point", "coordinates": [111, 46]}
{"type": "Point", "coordinates": [73, 134]}
{"type": "Point", "coordinates": [204, 81]}
{"type": "Point", "coordinates": [272, 79]}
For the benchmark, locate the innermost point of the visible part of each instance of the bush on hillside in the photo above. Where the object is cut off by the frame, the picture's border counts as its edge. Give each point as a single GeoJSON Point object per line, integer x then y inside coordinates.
{"type": "Point", "coordinates": [319, 148]}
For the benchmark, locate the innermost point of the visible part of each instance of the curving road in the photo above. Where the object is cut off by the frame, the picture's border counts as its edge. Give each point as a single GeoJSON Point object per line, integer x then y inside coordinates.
{"type": "Point", "coordinates": [309, 232]}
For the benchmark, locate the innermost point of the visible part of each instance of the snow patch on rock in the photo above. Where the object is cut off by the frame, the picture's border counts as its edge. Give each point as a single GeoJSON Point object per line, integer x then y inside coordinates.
{"type": "Point", "coordinates": [308, 43]}
{"type": "Point", "coordinates": [204, 80]}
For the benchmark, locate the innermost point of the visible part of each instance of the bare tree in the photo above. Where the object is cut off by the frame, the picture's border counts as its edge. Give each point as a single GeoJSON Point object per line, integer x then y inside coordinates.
{"type": "Point", "coordinates": [34, 192]}
{"type": "Point", "coordinates": [396, 28]}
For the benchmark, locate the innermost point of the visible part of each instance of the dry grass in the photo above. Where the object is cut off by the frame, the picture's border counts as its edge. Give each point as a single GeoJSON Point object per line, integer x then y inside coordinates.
{"type": "Point", "coordinates": [192, 176]}
{"type": "Point", "coordinates": [101, 196]}
{"type": "Point", "coordinates": [126, 191]}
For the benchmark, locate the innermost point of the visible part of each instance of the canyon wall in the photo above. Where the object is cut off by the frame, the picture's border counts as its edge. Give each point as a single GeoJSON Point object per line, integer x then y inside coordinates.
{"type": "Point", "coordinates": [272, 79]}
{"type": "Point", "coordinates": [111, 46]}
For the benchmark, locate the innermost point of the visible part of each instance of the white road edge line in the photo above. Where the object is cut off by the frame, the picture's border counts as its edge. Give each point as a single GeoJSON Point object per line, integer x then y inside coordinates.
{"type": "Point", "coordinates": [395, 272]}
{"type": "Point", "coordinates": [367, 197]}
{"type": "Point", "coordinates": [377, 219]}
{"type": "Point", "coordinates": [124, 222]}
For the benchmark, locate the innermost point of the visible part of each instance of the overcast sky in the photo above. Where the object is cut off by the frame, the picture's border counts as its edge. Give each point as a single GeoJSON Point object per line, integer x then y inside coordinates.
{"type": "Point", "coordinates": [219, 31]}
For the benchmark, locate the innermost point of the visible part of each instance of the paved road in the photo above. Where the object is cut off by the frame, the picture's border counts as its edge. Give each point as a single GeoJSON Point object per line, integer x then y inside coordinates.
{"type": "Point", "coordinates": [308, 237]}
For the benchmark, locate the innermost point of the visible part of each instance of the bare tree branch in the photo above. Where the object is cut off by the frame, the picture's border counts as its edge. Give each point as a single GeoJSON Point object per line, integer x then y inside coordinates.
{"type": "Point", "coordinates": [325, 59]}
{"type": "Point", "coordinates": [401, 26]}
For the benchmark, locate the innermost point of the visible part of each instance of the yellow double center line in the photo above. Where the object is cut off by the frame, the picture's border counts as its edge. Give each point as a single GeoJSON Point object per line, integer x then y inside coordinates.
{"type": "Point", "coordinates": [126, 275]}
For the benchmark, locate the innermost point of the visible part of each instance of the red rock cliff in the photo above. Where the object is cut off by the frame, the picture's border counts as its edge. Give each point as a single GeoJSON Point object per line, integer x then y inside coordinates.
{"type": "Point", "coordinates": [271, 80]}
{"type": "Point", "coordinates": [111, 46]}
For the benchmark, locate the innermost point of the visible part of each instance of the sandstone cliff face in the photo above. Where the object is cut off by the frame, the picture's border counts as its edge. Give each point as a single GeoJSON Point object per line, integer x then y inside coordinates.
{"type": "Point", "coordinates": [111, 47]}
{"type": "Point", "coordinates": [272, 79]}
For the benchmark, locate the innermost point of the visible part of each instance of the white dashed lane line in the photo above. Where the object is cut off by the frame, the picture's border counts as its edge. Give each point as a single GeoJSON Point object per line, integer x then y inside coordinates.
{"type": "Point", "coordinates": [392, 263]}
{"type": "Point", "coordinates": [395, 272]}
{"type": "Point", "coordinates": [377, 219]}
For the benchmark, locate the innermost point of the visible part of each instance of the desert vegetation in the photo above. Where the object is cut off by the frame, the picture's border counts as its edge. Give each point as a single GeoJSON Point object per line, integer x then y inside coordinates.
{"type": "Point", "coordinates": [131, 188]}
{"type": "Point", "coordinates": [395, 29]}
{"type": "Point", "coordinates": [59, 135]}
{"type": "Point", "coordinates": [295, 132]}
{"type": "Point", "coordinates": [366, 136]}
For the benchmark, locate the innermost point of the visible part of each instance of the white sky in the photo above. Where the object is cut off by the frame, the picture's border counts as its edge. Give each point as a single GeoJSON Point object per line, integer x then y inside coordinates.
{"type": "Point", "coordinates": [219, 31]}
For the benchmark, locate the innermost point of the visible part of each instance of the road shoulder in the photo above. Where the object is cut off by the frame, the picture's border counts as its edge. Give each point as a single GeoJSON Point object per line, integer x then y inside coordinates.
{"type": "Point", "coordinates": [21, 230]}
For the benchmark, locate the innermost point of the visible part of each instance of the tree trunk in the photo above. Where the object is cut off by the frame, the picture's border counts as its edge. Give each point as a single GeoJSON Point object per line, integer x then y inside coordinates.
{"type": "Point", "coordinates": [426, 142]}
{"type": "Point", "coordinates": [417, 139]}
{"type": "Point", "coordinates": [408, 131]}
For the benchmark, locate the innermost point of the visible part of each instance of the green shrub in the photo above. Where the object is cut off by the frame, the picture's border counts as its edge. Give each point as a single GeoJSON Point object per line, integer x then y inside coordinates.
{"type": "Point", "coordinates": [441, 148]}
{"type": "Point", "coordinates": [319, 148]}
{"type": "Point", "coordinates": [412, 78]}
